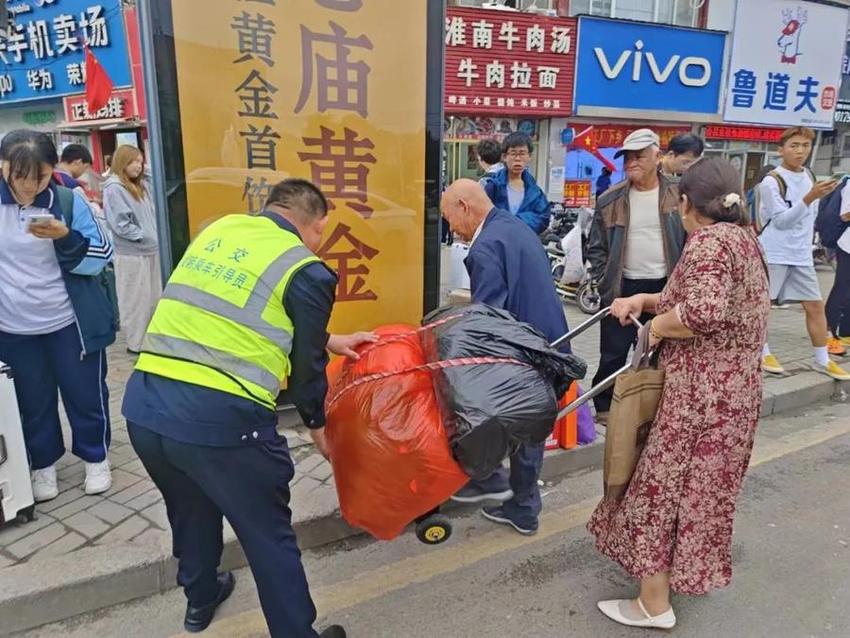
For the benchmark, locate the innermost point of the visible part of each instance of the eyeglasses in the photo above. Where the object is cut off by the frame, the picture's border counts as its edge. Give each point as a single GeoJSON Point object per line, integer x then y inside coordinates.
{"type": "Point", "coordinates": [517, 154]}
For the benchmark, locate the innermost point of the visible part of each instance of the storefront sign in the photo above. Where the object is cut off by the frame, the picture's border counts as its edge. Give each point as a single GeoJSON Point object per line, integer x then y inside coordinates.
{"type": "Point", "coordinates": [743, 134]}
{"type": "Point", "coordinates": [633, 68]}
{"type": "Point", "coordinates": [508, 62]}
{"type": "Point", "coordinates": [612, 136]}
{"type": "Point", "coordinates": [39, 118]}
{"type": "Point", "coordinates": [121, 106]}
{"type": "Point", "coordinates": [577, 193]}
{"type": "Point", "coordinates": [786, 63]}
{"type": "Point", "coordinates": [333, 91]}
{"type": "Point", "coordinates": [842, 112]}
{"type": "Point", "coordinates": [42, 55]}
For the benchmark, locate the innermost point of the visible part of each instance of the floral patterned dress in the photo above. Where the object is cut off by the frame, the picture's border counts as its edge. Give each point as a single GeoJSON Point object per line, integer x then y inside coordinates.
{"type": "Point", "coordinates": [677, 512]}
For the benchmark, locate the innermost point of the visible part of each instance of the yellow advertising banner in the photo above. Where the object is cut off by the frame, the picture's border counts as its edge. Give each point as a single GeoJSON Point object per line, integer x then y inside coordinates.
{"type": "Point", "coordinates": [328, 90]}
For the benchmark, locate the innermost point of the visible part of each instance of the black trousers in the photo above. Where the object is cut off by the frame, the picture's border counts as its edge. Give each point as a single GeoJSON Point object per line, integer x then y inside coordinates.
{"type": "Point", "coordinates": [838, 303]}
{"type": "Point", "coordinates": [250, 486]}
{"type": "Point", "coordinates": [616, 340]}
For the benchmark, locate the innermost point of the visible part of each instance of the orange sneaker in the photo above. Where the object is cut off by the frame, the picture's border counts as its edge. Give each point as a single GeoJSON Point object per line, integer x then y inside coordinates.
{"type": "Point", "coordinates": [835, 347]}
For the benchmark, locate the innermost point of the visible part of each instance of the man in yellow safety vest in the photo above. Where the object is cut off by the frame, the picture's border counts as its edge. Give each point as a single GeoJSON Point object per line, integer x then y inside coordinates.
{"type": "Point", "coordinates": [246, 308]}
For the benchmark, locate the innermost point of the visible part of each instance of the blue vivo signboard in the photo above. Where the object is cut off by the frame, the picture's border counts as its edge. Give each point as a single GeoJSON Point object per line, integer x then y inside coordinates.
{"type": "Point", "coordinates": [637, 67]}
{"type": "Point", "coordinates": [42, 55]}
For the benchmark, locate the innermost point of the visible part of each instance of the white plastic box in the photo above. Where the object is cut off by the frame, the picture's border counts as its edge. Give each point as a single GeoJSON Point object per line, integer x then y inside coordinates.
{"type": "Point", "coordinates": [15, 487]}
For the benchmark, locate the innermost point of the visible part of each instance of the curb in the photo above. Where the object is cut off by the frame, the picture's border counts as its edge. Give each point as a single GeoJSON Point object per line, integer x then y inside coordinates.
{"type": "Point", "coordinates": [58, 588]}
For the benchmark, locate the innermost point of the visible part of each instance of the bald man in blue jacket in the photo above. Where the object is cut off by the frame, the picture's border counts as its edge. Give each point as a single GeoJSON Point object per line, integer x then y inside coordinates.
{"type": "Point", "coordinates": [508, 269]}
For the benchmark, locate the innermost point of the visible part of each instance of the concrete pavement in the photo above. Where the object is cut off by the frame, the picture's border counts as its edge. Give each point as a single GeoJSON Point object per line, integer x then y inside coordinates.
{"type": "Point", "coordinates": [790, 553]}
{"type": "Point", "coordinates": [81, 546]}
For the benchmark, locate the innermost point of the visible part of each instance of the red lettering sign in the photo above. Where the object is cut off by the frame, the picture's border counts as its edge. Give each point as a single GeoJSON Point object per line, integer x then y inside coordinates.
{"type": "Point", "coordinates": [121, 106]}
{"type": "Point", "coordinates": [743, 134]}
{"type": "Point", "coordinates": [508, 62]}
{"type": "Point", "coordinates": [577, 193]}
{"type": "Point", "coordinates": [827, 98]}
{"type": "Point", "coordinates": [612, 136]}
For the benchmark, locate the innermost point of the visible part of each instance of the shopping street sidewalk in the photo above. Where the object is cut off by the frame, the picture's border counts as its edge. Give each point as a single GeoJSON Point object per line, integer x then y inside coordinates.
{"type": "Point", "coordinates": [80, 541]}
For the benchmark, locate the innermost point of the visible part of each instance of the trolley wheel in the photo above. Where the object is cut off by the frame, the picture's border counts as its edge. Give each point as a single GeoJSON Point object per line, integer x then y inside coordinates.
{"type": "Point", "coordinates": [434, 530]}
{"type": "Point", "coordinates": [588, 299]}
{"type": "Point", "coordinates": [27, 515]}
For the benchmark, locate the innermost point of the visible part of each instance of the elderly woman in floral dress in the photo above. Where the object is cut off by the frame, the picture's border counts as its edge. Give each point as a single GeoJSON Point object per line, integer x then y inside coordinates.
{"type": "Point", "coordinates": [672, 529]}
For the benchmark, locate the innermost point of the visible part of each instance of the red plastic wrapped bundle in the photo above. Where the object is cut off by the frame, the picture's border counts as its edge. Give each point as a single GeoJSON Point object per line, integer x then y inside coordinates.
{"type": "Point", "coordinates": [389, 451]}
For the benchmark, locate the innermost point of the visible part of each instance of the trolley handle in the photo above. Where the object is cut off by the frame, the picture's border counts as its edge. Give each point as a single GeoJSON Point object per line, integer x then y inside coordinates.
{"type": "Point", "coordinates": [599, 316]}
{"type": "Point", "coordinates": [639, 356]}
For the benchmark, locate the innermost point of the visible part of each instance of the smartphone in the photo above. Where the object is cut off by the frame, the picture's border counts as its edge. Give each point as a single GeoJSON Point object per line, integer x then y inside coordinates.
{"type": "Point", "coordinates": [838, 176]}
{"type": "Point", "coordinates": [39, 218]}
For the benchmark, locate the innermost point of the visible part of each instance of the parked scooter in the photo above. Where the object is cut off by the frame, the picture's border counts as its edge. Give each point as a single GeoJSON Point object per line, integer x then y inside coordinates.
{"type": "Point", "coordinates": [566, 245]}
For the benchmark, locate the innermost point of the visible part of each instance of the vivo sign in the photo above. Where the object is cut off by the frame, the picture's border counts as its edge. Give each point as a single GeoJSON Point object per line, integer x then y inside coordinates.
{"type": "Point", "coordinates": [662, 68]}
{"type": "Point", "coordinates": [660, 74]}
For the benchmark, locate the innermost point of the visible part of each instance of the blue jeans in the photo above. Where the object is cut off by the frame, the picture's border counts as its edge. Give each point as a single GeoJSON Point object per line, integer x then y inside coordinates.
{"type": "Point", "coordinates": [525, 505]}
{"type": "Point", "coordinates": [250, 486]}
{"type": "Point", "coordinates": [44, 365]}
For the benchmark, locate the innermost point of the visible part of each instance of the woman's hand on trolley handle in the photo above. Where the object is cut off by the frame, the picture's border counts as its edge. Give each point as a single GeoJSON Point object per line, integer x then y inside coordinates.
{"type": "Point", "coordinates": [624, 307]}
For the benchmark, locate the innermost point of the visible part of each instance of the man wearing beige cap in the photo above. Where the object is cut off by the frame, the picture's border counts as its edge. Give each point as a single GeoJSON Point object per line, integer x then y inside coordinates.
{"type": "Point", "coordinates": [635, 241]}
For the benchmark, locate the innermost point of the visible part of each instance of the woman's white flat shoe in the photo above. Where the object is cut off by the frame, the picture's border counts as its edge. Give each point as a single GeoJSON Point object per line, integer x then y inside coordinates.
{"type": "Point", "coordinates": [613, 609]}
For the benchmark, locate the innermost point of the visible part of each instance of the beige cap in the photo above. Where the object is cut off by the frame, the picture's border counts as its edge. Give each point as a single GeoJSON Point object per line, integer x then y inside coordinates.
{"type": "Point", "coordinates": [639, 140]}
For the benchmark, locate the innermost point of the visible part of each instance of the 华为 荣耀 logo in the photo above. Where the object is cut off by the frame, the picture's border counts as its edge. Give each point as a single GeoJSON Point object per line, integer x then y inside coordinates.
{"type": "Point", "coordinates": [690, 70]}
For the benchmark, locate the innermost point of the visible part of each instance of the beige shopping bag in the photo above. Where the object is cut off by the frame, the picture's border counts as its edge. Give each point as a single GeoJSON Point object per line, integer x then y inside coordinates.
{"type": "Point", "coordinates": [637, 394]}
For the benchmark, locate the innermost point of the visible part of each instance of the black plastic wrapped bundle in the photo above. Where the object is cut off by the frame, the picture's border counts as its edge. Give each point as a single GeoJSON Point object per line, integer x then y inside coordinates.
{"type": "Point", "coordinates": [488, 409]}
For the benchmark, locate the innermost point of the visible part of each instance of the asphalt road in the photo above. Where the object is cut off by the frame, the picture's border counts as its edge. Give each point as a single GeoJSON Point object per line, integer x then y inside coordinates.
{"type": "Point", "coordinates": [791, 555]}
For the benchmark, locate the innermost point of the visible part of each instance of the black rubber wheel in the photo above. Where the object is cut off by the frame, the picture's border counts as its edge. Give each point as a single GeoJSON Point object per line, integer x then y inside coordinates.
{"type": "Point", "coordinates": [557, 273]}
{"type": "Point", "coordinates": [27, 515]}
{"type": "Point", "coordinates": [588, 299]}
{"type": "Point", "coordinates": [434, 530]}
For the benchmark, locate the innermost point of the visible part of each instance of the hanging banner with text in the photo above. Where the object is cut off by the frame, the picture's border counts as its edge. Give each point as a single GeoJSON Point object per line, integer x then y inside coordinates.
{"type": "Point", "coordinates": [786, 63]}
{"type": "Point", "coordinates": [509, 63]}
{"type": "Point", "coordinates": [41, 55]}
{"type": "Point", "coordinates": [328, 90]}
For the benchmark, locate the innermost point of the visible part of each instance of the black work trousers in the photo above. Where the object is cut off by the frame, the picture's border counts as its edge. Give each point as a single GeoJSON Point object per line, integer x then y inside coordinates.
{"type": "Point", "coordinates": [616, 340]}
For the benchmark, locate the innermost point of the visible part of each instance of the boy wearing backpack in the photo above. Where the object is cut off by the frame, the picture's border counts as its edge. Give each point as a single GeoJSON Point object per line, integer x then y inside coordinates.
{"type": "Point", "coordinates": [789, 204]}
{"type": "Point", "coordinates": [833, 224]}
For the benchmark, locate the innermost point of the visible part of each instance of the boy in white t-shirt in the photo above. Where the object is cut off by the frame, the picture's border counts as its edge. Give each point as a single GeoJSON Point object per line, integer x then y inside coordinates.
{"type": "Point", "coordinates": [838, 302]}
{"type": "Point", "coordinates": [789, 219]}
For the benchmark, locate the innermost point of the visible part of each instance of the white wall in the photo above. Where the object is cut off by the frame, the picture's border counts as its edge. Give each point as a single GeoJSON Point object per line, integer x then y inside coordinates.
{"type": "Point", "coordinates": [721, 14]}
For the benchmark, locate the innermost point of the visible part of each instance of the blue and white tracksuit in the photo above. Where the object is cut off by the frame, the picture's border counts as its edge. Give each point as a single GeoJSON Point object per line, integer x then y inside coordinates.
{"type": "Point", "coordinates": [56, 321]}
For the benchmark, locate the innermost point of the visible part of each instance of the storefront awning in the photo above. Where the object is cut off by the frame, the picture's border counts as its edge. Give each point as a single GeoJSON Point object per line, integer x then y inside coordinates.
{"type": "Point", "coordinates": [101, 125]}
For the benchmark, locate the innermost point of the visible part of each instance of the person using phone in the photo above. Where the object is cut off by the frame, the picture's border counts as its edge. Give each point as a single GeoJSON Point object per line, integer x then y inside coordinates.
{"type": "Point", "coordinates": [56, 319]}
{"type": "Point", "coordinates": [789, 205]}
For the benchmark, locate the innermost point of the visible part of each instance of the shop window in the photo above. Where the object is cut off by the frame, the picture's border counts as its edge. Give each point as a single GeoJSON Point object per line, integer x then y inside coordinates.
{"type": "Point", "coordinates": [679, 12]}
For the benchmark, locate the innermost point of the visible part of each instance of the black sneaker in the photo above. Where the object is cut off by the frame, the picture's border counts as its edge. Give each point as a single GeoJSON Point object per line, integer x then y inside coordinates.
{"type": "Point", "coordinates": [334, 631]}
{"type": "Point", "coordinates": [199, 618]}
{"type": "Point", "coordinates": [474, 494]}
{"type": "Point", "coordinates": [497, 515]}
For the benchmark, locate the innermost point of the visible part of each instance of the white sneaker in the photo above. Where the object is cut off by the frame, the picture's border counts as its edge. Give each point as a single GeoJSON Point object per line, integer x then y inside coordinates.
{"type": "Point", "coordinates": [98, 477]}
{"type": "Point", "coordinates": [616, 610]}
{"type": "Point", "coordinates": [44, 487]}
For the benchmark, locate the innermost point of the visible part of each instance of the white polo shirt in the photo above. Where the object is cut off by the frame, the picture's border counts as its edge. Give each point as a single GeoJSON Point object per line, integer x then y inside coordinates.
{"type": "Point", "coordinates": [33, 297]}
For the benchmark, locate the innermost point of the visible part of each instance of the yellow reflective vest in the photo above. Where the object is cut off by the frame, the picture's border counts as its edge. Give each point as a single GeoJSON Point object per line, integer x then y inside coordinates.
{"type": "Point", "coordinates": [221, 322]}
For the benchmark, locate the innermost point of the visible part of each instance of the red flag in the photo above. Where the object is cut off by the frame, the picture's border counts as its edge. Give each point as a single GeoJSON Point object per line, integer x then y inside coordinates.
{"type": "Point", "coordinates": [98, 84]}
{"type": "Point", "coordinates": [586, 142]}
